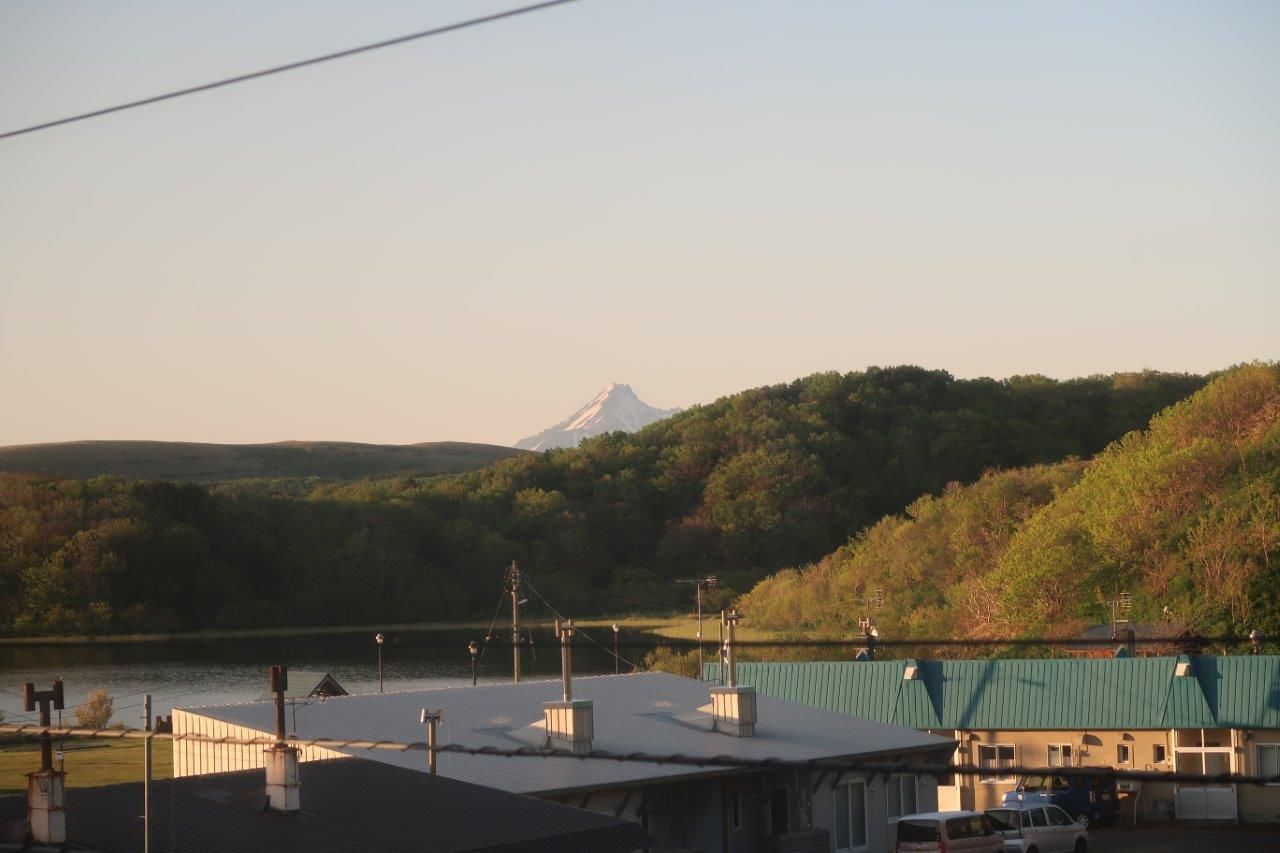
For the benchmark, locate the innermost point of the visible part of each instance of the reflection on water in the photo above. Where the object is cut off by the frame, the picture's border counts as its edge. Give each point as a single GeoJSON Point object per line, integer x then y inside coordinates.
{"type": "Point", "coordinates": [190, 674]}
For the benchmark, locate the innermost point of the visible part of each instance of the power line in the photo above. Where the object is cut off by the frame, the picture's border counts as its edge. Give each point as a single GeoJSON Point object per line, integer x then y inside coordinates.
{"type": "Point", "coordinates": [279, 69]}
{"type": "Point", "coordinates": [556, 613]}
{"type": "Point", "coordinates": [836, 765]}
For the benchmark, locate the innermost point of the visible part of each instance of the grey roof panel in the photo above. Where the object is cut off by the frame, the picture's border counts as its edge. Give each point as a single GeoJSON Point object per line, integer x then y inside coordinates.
{"type": "Point", "coordinates": [644, 712]}
{"type": "Point", "coordinates": [347, 806]}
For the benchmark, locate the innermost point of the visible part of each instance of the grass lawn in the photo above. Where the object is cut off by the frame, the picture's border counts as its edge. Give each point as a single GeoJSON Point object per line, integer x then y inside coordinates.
{"type": "Point", "coordinates": [88, 762]}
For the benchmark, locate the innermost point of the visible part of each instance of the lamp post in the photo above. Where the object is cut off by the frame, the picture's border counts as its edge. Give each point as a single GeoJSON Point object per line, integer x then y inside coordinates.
{"type": "Point", "coordinates": [379, 639]}
{"type": "Point", "coordinates": [475, 650]}
{"type": "Point", "coordinates": [615, 648]}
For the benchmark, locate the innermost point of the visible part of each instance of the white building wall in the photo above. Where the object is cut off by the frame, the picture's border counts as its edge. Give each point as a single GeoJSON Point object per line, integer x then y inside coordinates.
{"type": "Point", "coordinates": [197, 758]}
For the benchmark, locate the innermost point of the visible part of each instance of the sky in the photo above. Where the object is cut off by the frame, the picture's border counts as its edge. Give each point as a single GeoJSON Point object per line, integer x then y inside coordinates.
{"type": "Point", "coordinates": [467, 237]}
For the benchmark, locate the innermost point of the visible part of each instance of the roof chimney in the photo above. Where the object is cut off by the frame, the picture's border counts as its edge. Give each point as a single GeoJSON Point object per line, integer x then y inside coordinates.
{"type": "Point", "coordinates": [281, 759]}
{"type": "Point", "coordinates": [45, 787]}
{"type": "Point", "coordinates": [732, 707]}
{"type": "Point", "coordinates": [570, 723]}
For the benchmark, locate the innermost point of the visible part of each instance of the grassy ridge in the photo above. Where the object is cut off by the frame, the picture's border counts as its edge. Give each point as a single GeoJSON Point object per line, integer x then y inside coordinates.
{"type": "Point", "coordinates": [1184, 516]}
{"type": "Point", "coordinates": [195, 462]}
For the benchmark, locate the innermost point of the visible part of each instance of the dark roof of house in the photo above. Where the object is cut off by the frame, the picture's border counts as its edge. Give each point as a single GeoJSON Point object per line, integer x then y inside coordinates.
{"type": "Point", "coordinates": [348, 805]}
{"type": "Point", "coordinates": [303, 684]}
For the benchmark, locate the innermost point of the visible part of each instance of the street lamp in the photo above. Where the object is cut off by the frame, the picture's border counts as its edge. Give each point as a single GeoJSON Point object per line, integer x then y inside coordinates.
{"type": "Point", "coordinates": [379, 639]}
{"type": "Point", "coordinates": [615, 648]}
{"type": "Point", "coordinates": [475, 650]}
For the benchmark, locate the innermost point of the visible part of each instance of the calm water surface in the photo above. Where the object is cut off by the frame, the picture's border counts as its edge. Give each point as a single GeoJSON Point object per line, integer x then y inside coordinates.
{"type": "Point", "coordinates": [191, 674]}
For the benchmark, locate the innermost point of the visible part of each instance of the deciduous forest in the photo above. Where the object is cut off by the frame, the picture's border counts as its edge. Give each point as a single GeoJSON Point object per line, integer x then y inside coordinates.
{"type": "Point", "coordinates": [742, 488]}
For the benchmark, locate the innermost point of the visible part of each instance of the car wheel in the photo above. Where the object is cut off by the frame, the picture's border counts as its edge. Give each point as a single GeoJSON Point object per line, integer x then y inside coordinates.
{"type": "Point", "coordinates": [1082, 819]}
{"type": "Point", "coordinates": [1081, 845]}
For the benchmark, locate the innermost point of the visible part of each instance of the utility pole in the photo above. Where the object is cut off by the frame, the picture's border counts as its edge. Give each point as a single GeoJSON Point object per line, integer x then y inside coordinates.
{"type": "Point", "coordinates": [431, 719]}
{"type": "Point", "coordinates": [699, 583]}
{"type": "Point", "coordinates": [516, 601]}
{"type": "Point", "coordinates": [146, 775]}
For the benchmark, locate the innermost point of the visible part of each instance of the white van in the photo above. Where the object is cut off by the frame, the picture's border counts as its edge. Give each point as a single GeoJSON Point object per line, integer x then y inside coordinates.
{"type": "Point", "coordinates": [947, 832]}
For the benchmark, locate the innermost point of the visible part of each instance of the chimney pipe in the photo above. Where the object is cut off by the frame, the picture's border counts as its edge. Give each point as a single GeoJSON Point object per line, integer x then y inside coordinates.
{"type": "Point", "coordinates": [281, 759]}
{"type": "Point", "coordinates": [565, 632]}
{"type": "Point", "coordinates": [733, 708]}
{"type": "Point", "coordinates": [45, 787]}
{"type": "Point", "coordinates": [570, 723]}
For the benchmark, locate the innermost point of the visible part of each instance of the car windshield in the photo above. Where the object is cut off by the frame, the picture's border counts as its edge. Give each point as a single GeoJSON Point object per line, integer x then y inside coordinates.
{"type": "Point", "coordinates": [1043, 782]}
{"type": "Point", "coordinates": [1005, 819]}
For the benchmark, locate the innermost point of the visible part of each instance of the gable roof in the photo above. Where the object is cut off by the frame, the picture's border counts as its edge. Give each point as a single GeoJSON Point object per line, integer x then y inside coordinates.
{"type": "Point", "coordinates": [347, 806]}
{"type": "Point", "coordinates": [1097, 693]}
{"type": "Point", "coordinates": [646, 712]}
{"type": "Point", "coordinates": [303, 684]}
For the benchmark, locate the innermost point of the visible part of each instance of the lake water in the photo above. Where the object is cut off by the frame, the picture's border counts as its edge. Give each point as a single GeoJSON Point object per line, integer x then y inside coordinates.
{"type": "Point", "coordinates": [190, 674]}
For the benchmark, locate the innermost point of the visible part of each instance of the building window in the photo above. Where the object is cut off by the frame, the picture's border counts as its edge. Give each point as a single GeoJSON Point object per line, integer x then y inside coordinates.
{"type": "Point", "coordinates": [1158, 754]}
{"type": "Point", "coordinates": [850, 817]}
{"type": "Point", "coordinates": [735, 809]}
{"type": "Point", "coordinates": [993, 759]}
{"type": "Point", "coordinates": [1059, 755]}
{"type": "Point", "coordinates": [1122, 753]}
{"type": "Point", "coordinates": [901, 794]}
{"type": "Point", "coordinates": [1269, 761]}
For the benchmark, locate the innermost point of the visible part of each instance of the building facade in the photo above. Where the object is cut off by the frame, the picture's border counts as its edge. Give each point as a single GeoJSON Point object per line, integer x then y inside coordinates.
{"type": "Point", "coordinates": [1198, 714]}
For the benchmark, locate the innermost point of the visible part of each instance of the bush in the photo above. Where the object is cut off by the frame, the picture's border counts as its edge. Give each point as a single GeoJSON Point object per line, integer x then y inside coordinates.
{"type": "Point", "coordinates": [666, 659]}
{"type": "Point", "coordinates": [96, 711]}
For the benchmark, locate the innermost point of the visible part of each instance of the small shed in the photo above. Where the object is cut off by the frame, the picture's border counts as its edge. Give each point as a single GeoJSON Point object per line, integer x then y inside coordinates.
{"type": "Point", "coordinates": [309, 684]}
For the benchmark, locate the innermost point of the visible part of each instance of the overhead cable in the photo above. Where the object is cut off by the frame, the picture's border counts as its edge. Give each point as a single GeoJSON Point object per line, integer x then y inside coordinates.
{"type": "Point", "coordinates": [837, 765]}
{"type": "Point", "coordinates": [291, 66]}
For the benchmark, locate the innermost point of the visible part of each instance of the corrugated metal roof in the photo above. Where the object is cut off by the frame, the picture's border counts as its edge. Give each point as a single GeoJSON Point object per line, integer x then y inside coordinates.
{"type": "Point", "coordinates": [645, 712]}
{"type": "Point", "coordinates": [347, 806]}
{"type": "Point", "coordinates": [1095, 693]}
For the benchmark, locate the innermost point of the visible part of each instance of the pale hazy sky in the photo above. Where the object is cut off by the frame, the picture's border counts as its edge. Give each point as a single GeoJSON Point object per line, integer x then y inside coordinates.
{"type": "Point", "coordinates": [467, 237]}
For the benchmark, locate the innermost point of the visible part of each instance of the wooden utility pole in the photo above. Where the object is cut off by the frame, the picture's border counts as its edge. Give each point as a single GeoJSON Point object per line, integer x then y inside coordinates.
{"type": "Point", "coordinates": [699, 583]}
{"type": "Point", "coordinates": [146, 776]}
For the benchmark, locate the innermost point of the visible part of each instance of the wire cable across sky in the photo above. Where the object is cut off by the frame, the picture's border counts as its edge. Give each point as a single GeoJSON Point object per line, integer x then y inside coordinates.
{"type": "Point", "coordinates": [280, 69]}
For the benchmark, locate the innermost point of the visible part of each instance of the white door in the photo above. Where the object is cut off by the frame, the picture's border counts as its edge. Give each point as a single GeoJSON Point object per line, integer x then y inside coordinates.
{"type": "Point", "coordinates": [1196, 801]}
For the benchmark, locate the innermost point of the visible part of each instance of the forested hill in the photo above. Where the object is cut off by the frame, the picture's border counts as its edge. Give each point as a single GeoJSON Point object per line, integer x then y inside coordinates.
{"type": "Point", "coordinates": [755, 482]}
{"type": "Point", "coordinates": [1185, 515]}
{"type": "Point", "coordinates": [191, 461]}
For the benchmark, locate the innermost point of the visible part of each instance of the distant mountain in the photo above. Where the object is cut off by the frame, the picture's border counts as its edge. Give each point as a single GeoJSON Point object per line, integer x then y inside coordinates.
{"type": "Point", "coordinates": [189, 461]}
{"type": "Point", "coordinates": [615, 408]}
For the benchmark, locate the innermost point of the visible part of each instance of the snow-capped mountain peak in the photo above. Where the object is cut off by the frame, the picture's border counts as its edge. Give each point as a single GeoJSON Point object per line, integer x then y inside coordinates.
{"type": "Point", "coordinates": [615, 408]}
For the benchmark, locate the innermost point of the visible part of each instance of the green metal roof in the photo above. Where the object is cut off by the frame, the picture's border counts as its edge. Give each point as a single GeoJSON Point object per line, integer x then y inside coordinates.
{"type": "Point", "coordinates": [1092, 693]}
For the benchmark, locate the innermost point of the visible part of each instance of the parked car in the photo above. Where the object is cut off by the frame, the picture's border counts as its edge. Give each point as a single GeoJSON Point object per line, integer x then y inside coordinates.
{"type": "Point", "coordinates": [1088, 795]}
{"type": "Point", "coordinates": [1039, 828]}
{"type": "Point", "coordinates": [947, 832]}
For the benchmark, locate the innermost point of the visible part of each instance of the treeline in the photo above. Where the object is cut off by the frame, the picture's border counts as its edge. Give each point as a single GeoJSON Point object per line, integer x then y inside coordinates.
{"type": "Point", "coordinates": [1184, 516]}
{"type": "Point", "coordinates": [740, 488]}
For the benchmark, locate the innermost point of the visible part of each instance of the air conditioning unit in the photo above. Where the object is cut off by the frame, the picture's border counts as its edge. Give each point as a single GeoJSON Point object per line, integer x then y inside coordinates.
{"type": "Point", "coordinates": [1128, 786]}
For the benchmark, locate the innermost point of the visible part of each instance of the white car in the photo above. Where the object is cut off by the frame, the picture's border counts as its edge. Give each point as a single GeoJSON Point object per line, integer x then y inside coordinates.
{"type": "Point", "coordinates": [1039, 828]}
{"type": "Point", "coordinates": [947, 832]}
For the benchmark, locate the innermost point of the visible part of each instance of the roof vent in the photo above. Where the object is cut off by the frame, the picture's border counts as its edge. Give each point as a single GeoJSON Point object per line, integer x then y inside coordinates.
{"type": "Point", "coordinates": [570, 723]}
{"type": "Point", "coordinates": [911, 673]}
{"type": "Point", "coordinates": [1182, 669]}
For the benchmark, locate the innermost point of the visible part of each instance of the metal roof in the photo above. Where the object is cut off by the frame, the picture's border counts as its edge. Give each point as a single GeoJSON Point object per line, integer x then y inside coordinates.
{"type": "Point", "coordinates": [643, 712]}
{"type": "Point", "coordinates": [347, 806]}
{"type": "Point", "coordinates": [1098, 693]}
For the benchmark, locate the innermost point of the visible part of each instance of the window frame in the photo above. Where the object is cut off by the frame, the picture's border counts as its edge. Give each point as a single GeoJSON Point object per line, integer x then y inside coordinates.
{"type": "Point", "coordinates": [899, 779]}
{"type": "Point", "coordinates": [996, 767]}
{"type": "Point", "coordinates": [844, 789]}
{"type": "Point", "coordinates": [1065, 753]}
{"type": "Point", "coordinates": [1159, 753]}
{"type": "Point", "coordinates": [1124, 753]}
{"type": "Point", "coordinates": [1257, 759]}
